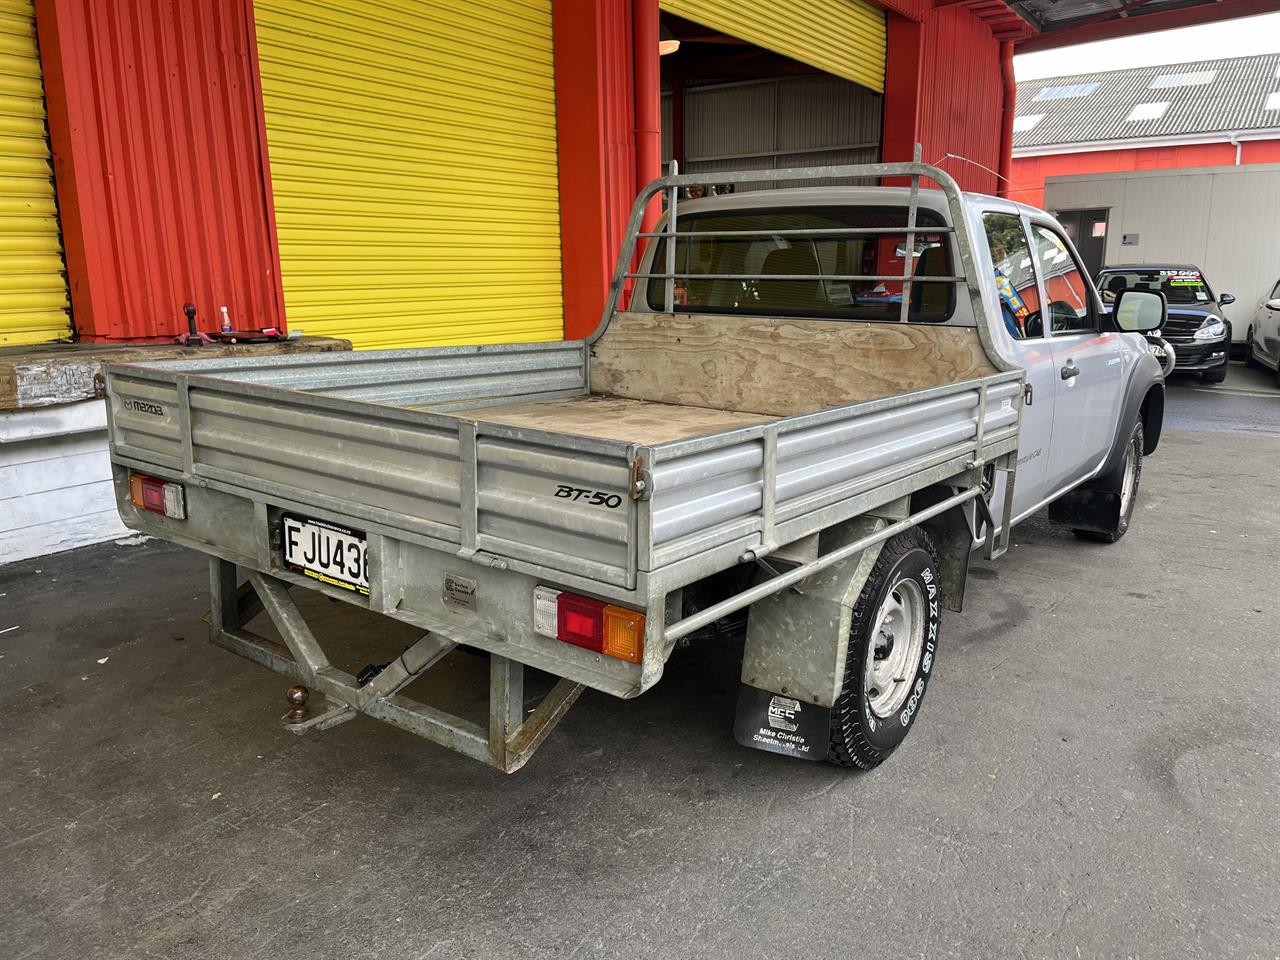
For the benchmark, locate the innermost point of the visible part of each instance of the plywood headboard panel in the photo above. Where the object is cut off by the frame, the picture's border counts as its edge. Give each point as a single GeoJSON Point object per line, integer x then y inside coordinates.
{"type": "Point", "coordinates": [777, 366]}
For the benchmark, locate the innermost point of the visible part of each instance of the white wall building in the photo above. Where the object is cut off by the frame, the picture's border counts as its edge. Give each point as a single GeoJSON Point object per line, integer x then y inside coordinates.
{"type": "Point", "coordinates": [1225, 220]}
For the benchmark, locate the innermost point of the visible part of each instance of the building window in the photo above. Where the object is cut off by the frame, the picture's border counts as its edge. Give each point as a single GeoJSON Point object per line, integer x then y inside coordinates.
{"type": "Point", "coordinates": [1028, 122]}
{"type": "Point", "coordinates": [1273, 101]}
{"type": "Point", "coordinates": [1066, 91]}
{"type": "Point", "coordinates": [1148, 111]}
{"type": "Point", "coordinates": [1197, 78]}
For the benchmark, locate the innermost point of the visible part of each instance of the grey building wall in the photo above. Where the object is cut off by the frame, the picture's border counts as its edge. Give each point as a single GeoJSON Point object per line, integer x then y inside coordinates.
{"type": "Point", "coordinates": [1225, 220]}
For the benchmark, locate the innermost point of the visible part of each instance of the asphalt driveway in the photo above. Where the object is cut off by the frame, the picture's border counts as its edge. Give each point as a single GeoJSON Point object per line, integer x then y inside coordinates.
{"type": "Point", "coordinates": [1094, 773]}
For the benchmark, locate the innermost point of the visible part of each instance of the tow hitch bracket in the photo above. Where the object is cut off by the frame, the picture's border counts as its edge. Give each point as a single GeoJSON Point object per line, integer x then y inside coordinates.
{"type": "Point", "coordinates": [507, 743]}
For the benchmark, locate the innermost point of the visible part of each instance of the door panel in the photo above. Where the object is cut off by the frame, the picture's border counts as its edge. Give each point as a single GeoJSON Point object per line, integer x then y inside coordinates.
{"type": "Point", "coordinates": [1088, 364]}
{"type": "Point", "coordinates": [1267, 327]}
{"type": "Point", "coordinates": [1019, 298]}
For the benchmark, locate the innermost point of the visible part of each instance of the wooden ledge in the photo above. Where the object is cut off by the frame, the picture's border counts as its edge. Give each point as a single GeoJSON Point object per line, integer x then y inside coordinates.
{"type": "Point", "coordinates": [46, 374]}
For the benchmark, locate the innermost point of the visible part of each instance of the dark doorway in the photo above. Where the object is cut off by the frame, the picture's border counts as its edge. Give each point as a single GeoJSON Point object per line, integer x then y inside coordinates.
{"type": "Point", "coordinates": [1088, 231]}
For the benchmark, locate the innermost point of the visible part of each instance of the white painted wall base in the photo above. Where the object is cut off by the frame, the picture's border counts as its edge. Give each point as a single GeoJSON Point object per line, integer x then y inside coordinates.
{"type": "Point", "coordinates": [55, 480]}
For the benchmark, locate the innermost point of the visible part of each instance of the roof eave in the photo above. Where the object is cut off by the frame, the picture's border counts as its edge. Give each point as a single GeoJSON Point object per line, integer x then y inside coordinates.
{"type": "Point", "coordinates": [1174, 140]}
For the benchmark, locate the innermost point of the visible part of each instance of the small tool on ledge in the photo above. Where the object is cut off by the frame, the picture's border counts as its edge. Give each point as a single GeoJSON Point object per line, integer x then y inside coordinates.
{"type": "Point", "coordinates": [193, 337]}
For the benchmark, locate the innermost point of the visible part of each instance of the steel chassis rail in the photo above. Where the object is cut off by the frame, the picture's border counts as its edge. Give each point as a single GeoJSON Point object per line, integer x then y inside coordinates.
{"type": "Point", "coordinates": [509, 741]}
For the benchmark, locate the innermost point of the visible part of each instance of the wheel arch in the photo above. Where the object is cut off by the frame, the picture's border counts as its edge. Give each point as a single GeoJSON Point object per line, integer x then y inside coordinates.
{"type": "Point", "coordinates": [1151, 412]}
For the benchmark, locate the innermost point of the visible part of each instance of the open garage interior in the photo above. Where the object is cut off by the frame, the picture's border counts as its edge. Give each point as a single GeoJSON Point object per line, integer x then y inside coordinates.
{"type": "Point", "coordinates": [729, 104]}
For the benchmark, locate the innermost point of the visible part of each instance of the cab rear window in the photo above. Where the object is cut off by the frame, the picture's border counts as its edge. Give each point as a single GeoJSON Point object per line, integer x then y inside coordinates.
{"type": "Point", "coordinates": [816, 262]}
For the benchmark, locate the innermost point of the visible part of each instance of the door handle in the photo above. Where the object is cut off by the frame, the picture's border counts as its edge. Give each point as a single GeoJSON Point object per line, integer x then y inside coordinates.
{"type": "Point", "coordinates": [1070, 370]}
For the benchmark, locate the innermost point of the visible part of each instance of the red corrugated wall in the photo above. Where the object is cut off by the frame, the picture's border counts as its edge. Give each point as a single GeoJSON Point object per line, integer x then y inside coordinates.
{"type": "Point", "coordinates": [595, 125]}
{"type": "Point", "coordinates": [154, 118]}
{"type": "Point", "coordinates": [961, 97]}
{"type": "Point", "coordinates": [1030, 173]}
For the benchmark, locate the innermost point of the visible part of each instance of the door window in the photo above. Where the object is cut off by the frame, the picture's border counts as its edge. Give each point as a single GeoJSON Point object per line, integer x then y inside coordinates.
{"type": "Point", "coordinates": [1015, 277]}
{"type": "Point", "coordinates": [1070, 304]}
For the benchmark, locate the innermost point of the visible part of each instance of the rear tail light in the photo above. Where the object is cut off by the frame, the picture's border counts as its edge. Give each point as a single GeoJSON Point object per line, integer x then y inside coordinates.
{"type": "Point", "coordinates": [158, 496]}
{"type": "Point", "coordinates": [591, 624]}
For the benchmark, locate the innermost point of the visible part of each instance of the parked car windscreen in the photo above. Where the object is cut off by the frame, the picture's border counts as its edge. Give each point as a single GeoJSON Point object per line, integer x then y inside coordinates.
{"type": "Point", "coordinates": [1182, 285]}
{"type": "Point", "coordinates": [831, 255]}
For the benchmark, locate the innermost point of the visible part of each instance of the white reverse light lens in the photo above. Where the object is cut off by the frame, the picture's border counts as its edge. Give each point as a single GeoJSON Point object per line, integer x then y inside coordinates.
{"type": "Point", "coordinates": [545, 603]}
{"type": "Point", "coordinates": [174, 502]}
{"type": "Point", "coordinates": [1213, 329]}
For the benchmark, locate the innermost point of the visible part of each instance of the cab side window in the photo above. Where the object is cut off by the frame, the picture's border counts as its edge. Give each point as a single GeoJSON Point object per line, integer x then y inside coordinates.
{"type": "Point", "coordinates": [1070, 305]}
{"type": "Point", "coordinates": [1015, 275]}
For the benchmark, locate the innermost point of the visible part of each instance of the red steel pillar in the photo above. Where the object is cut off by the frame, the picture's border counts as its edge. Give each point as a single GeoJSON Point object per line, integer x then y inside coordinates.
{"type": "Point", "coordinates": [595, 126]}
{"type": "Point", "coordinates": [648, 101]}
{"type": "Point", "coordinates": [1009, 108]}
{"type": "Point", "coordinates": [903, 88]}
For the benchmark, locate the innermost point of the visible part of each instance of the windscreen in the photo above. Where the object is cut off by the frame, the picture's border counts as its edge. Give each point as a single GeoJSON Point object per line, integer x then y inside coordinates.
{"type": "Point", "coordinates": [817, 262]}
{"type": "Point", "coordinates": [1178, 284]}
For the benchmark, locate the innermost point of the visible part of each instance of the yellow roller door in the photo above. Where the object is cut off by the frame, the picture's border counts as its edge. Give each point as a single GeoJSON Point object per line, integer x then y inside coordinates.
{"type": "Point", "coordinates": [842, 37]}
{"type": "Point", "coordinates": [33, 285]}
{"type": "Point", "coordinates": [413, 167]}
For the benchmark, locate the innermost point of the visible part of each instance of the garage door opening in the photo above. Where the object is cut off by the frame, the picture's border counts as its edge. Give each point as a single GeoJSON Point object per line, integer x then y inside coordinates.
{"type": "Point", "coordinates": [730, 104]}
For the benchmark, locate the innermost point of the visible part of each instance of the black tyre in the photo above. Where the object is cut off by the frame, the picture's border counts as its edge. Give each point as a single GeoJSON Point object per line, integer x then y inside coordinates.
{"type": "Point", "coordinates": [1249, 359]}
{"type": "Point", "coordinates": [1130, 476]}
{"type": "Point", "coordinates": [1214, 376]}
{"type": "Point", "coordinates": [893, 641]}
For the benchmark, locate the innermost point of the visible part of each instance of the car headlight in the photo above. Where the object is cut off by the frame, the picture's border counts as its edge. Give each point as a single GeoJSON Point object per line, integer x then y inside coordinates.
{"type": "Point", "coordinates": [1211, 329]}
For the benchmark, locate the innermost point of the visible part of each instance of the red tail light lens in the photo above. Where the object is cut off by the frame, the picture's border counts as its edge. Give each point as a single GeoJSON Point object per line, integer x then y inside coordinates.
{"type": "Point", "coordinates": [580, 621]}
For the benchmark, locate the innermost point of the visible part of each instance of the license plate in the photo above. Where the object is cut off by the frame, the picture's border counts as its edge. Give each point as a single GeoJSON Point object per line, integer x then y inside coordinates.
{"type": "Point", "coordinates": [1159, 352]}
{"type": "Point", "coordinates": [326, 552]}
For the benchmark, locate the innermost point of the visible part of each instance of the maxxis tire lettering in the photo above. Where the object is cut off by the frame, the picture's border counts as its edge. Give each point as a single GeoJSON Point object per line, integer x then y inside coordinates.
{"type": "Point", "coordinates": [859, 738]}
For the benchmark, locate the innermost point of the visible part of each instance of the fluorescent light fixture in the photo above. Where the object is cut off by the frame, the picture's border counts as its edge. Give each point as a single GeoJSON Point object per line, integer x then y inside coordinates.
{"type": "Point", "coordinates": [1066, 91]}
{"type": "Point", "coordinates": [1148, 111]}
{"type": "Point", "coordinates": [1196, 78]}
{"type": "Point", "coordinates": [1028, 122]}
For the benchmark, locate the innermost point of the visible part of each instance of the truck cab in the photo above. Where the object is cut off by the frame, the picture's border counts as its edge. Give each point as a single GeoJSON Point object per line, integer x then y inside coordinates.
{"type": "Point", "coordinates": [1052, 323]}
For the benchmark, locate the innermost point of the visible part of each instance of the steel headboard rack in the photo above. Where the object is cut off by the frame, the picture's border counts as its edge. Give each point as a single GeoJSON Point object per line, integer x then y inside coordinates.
{"type": "Point", "coordinates": [915, 170]}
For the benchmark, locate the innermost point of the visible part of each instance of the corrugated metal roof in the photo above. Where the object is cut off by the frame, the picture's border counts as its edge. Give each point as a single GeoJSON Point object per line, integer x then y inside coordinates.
{"type": "Point", "coordinates": [1235, 100]}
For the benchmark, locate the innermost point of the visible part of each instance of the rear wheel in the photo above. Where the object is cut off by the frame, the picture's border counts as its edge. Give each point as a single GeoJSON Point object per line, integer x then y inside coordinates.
{"type": "Point", "coordinates": [893, 639]}
{"type": "Point", "coordinates": [1130, 478]}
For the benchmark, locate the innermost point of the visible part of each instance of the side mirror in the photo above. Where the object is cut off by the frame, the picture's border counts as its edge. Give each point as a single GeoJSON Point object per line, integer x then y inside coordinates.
{"type": "Point", "coordinates": [1273, 304]}
{"type": "Point", "coordinates": [1225, 299]}
{"type": "Point", "coordinates": [1140, 311]}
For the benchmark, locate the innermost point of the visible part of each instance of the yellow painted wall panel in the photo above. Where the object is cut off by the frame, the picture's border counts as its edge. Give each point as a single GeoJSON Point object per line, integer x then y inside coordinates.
{"type": "Point", "coordinates": [843, 37]}
{"type": "Point", "coordinates": [414, 168]}
{"type": "Point", "coordinates": [34, 307]}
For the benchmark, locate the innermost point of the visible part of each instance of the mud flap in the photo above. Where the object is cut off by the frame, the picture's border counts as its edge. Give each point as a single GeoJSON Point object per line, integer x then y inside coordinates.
{"type": "Point", "coordinates": [776, 723]}
{"type": "Point", "coordinates": [1097, 510]}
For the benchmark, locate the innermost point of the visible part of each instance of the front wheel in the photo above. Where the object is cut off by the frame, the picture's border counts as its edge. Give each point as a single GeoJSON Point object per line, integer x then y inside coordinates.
{"type": "Point", "coordinates": [1130, 477]}
{"type": "Point", "coordinates": [893, 640]}
{"type": "Point", "coordinates": [1250, 360]}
